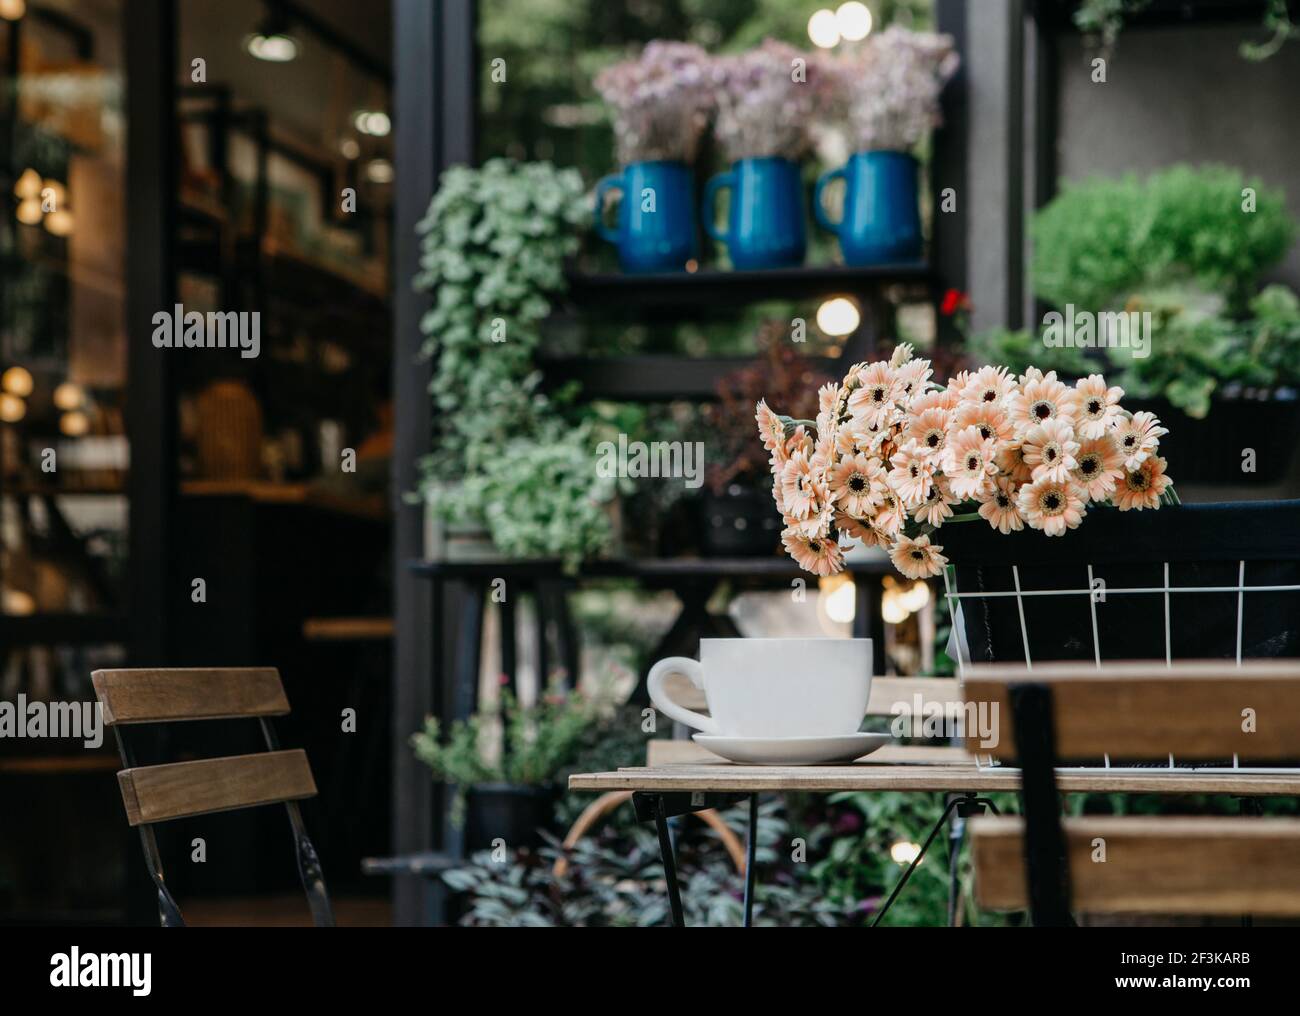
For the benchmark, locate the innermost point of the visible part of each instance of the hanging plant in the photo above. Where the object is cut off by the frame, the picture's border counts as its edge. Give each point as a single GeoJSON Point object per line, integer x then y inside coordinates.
{"type": "Point", "coordinates": [504, 456]}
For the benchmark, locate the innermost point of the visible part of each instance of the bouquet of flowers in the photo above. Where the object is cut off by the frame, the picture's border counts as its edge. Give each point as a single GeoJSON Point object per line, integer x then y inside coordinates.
{"type": "Point", "coordinates": [892, 457]}
{"type": "Point", "coordinates": [769, 100]}
{"type": "Point", "coordinates": [661, 101]}
{"type": "Point", "coordinates": [888, 88]}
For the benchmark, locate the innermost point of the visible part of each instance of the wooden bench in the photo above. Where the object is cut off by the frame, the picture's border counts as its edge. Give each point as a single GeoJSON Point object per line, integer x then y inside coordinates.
{"type": "Point", "coordinates": [1192, 865]}
{"type": "Point", "coordinates": [162, 793]}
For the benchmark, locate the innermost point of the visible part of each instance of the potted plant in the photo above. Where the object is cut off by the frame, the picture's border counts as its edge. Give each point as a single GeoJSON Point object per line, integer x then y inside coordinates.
{"type": "Point", "coordinates": [493, 246]}
{"type": "Point", "coordinates": [888, 93]}
{"type": "Point", "coordinates": [661, 101]}
{"type": "Point", "coordinates": [737, 516]}
{"type": "Point", "coordinates": [504, 765]}
{"type": "Point", "coordinates": [1183, 250]}
{"type": "Point", "coordinates": [768, 101]}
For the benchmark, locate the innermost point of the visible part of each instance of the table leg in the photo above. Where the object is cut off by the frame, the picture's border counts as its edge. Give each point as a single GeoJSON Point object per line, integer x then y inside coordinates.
{"type": "Point", "coordinates": [751, 842]}
{"type": "Point", "coordinates": [670, 863]}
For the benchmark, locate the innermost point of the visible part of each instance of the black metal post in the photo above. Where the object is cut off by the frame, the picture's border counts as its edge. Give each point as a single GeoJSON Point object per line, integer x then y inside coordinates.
{"type": "Point", "coordinates": [751, 843]}
{"type": "Point", "coordinates": [670, 862]}
{"type": "Point", "coordinates": [1046, 863]}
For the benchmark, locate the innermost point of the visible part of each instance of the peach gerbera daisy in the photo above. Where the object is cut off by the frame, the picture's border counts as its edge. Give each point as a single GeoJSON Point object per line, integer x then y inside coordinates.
{"type": "Point", "coordinates": [856, 529]}
{"type": "Point", "coordinates": [1011, 461]}
{"type": "Point", "coordinates": [1049, 449]}
{"type": "Point", "coordinates": [968, 462]}
{"type": "Point", "coordinates": [1000, 509]}
{"type": "Point", "coordinates": [1098, 406]}
{"type": "Point", "coordinates": [1141, 488]}
{"type": "Point", "coordinates": [1138, 437]}
{"type": "Point", "coordinates": [917, 559]}
{"type": "Point", "coordinates": [770, 427]}
{"type": "Point", "coordinates": [990, 417]}
{"type": "Point", "coordinates": [856, 484]}
{"type": "Point", "coordinates": [888, 519]}
{"type": "Point", "coordinates": [1053, 506]}
{"type": "Point", "coordinates": [929, 430]}
{"type": "Point", "coordinates": [940, 398]}
{"type": "Point", "coordinates": [873, 399]}
{"type": "Point", "coordinates": [1099, 465]}
{"type": "Point", "coordinates": [912, 475]}
{"type": "Point", "coordinates": [913, 379]}
{"type": "Point", "coordinates": [938, 506]}
{"type": "Point", "coordinates": [803, 496]}
{"type": "Point", "coordinates": [991, 385]}
{"type": "Point", "coordinates": [817, 554]}
{"type": "Point", "coordinates": [1041, 398]}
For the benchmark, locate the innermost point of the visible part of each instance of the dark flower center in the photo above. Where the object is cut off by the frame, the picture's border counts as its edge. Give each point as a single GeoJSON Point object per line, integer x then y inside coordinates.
{"type": "Point", "coordinates": [972, 462]}
{"type": "Point", "coordinates": [814, 546]}
{"type": "Point", "coordinates": [1049, 453]}
{"type": "Point", "coordinates": [1094, 407]}
{"type": "Point", "coordinates": [1130, 441]}
{"type": "Point", "coordinates": [1088, 466]}
{"type": "Point", "coordinates": [932, 439]}
{"type": "Point", "coordinates": [986, 431]}
{"type": "Point", "coordinates": [857, 484]}
{"type": "Point", "coordinates": [1004, 501]}
{"type": "Point", "coordinates": [1052, 502]}
{"type": "Point", "coordinates": [917, 556]}
{"type": "Point", "coordinates": [990, 395]}
{"type": "Point", "coordinates": [1042, 410]}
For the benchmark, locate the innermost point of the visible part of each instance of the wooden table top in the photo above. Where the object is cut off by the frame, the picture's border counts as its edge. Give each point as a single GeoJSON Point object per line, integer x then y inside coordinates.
{"type": "Point", "coordinates": [909, 768]}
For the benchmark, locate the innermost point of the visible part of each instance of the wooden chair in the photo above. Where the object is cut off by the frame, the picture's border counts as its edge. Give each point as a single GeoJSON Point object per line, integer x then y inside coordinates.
{"type": "Point", "coordinates": [1199, 711]}
{"type": "Point", "coordinates": [161, 793]}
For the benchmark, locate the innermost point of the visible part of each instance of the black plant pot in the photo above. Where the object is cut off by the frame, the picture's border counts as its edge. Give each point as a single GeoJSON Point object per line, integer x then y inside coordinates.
{"type": "Point", "coordinates": [509, 812]}
{"type": "Point", "coordinates": [740, 522]}
{"type": "Point", "coordinates": [1201, 545]}
{"type": "Point", "coordinates": [1210, 451]}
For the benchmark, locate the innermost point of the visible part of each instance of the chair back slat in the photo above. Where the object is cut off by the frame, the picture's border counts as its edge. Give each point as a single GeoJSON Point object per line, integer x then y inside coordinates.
{"type": "Point", "coordinates": [160, 696]}
{"type": "Point", "coordinates": [183, 789]}
{"type": "Point", "coordinates": [1200, 865]}
{"type": "Point", "coordinates": [1200, 710]}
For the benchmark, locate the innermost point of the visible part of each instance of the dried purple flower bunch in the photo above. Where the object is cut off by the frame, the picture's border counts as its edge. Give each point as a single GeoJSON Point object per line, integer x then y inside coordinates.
{"type": "Point", "coordinates": [888, 88]}
{"type": "Point", "coordinates": [661, 101]}
{"type": "Point", "coordinates": [769, 100]}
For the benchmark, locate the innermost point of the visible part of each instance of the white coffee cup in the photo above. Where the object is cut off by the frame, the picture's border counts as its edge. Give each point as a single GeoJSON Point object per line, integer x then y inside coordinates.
{"type": "Point", "coordinates": [772, 687]}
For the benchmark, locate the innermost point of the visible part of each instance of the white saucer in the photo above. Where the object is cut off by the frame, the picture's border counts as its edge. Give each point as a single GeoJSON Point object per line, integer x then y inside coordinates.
{"type": "Point", "coordinates": [792, 751]}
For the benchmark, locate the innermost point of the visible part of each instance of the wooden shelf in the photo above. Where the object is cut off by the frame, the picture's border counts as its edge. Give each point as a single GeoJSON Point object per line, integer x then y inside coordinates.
{"type": "Point", "coordinates": [713, 287]}
{"type": "Point", "coordinates": [668, 568]}
{"type": "Point", "coordinates": [58, 765]}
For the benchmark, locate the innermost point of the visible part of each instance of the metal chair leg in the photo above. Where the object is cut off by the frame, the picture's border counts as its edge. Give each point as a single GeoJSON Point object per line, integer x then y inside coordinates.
{"type": "Point", "coordinates": [751, 841]}
{"type": "Point", "coordinates": [670, 863]}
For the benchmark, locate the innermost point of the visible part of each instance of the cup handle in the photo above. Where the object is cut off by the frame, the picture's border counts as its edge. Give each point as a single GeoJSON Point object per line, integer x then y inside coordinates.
{"type": "Point", "coordinates": [655, 685]}
{"type": "Point", "coordinates": [708, 210]}
{"type": "Point", "coordinates": [613, 182]}
{"type": "Point", "coordinates": [819, 209]}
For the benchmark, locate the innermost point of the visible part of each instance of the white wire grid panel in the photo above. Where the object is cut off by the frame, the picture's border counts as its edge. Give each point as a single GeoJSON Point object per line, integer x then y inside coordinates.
{"type": "Point", "coordinates": [1091, 592]}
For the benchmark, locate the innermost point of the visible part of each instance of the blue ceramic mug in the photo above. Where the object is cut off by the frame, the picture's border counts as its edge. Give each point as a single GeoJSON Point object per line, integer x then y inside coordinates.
{"type": "Point", "coordinates": [656, 221]}
{"type": "Point", "coordinates": [882, 220]}
{"type": "Point", "coordinates": [765, 226]}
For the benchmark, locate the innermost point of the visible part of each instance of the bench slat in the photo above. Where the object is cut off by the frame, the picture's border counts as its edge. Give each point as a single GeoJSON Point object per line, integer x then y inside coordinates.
{"type": "Point", "coordinates": [1192, 711]}
{"type": "Point", "coordinates": [219, 693]}
{"type": "Point", "coordinates": [1200, 865]}
{"type": "Point", "coordinates": [182, 789]}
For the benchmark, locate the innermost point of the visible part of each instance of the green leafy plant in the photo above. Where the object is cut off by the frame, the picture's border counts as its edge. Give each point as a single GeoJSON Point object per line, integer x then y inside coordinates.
{"type": "Point", "coordinates": [615, 879]}
{"type": "Point", "coordinates": [521, 745]}
{"type": "Point", "coordinates": [1099, 241]}
{"type": "Point", "coordinates": [1018, 349]}
{"type": "Point", "coordinates": [493, 246]}
{"type": "Point", "coordinates": [1199, 355]}
{"type": "Point", "coordinates": [1103, 19]}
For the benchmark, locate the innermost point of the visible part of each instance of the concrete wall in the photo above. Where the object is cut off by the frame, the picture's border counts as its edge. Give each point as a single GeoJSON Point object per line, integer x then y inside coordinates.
{"type": "Point", "coordinates": [1184, 95]}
